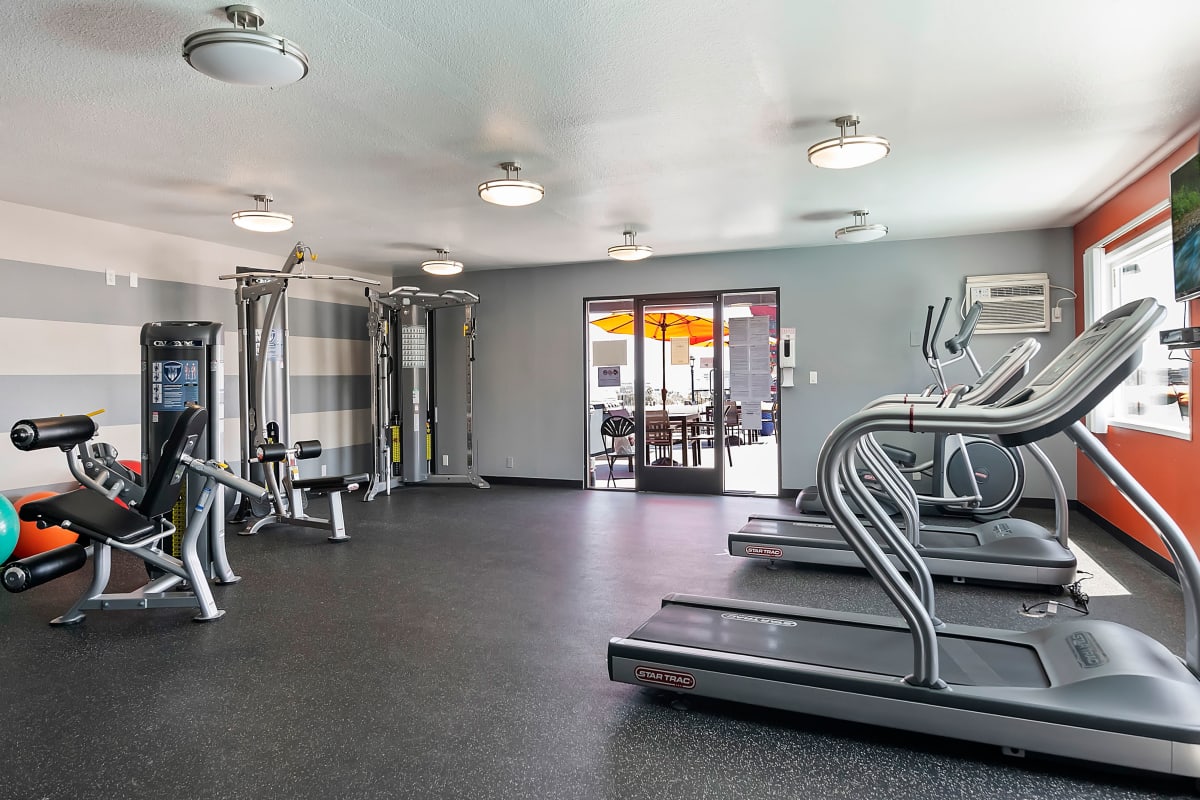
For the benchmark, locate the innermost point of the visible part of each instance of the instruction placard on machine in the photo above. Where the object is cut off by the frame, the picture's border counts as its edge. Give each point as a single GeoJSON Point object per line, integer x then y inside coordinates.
{"type": "Point", "coordinates": [174, 384]}
{"type": "Point", "coordinates": [412, 346]}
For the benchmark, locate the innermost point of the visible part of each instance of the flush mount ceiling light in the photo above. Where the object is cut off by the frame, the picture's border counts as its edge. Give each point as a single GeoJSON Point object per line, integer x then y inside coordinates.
{"type": "Point", "coordinates": [860, 231]}
{"type": "Point", "coordinates": [442, 265]}
{"type": "Point", "coordinates": [511, 190]}
{"type": "Point", "coordinates": [630, 251]}
{"type": "Point", "coordinates": [262, 219]}
{"type": "Point", "coordinates": [845, 151]}
{"type": "Point", "coordinates": [244, 54]}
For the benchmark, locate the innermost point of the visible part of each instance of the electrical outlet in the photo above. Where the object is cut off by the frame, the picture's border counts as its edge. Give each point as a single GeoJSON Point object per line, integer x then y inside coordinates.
{"type": "Point", "coordinates": [508, 462]}
{"type": "Point", "coordinates": [110, 277]}
{"type": "Point", "coordinates": [1056, 314]}
{"type": "Point", "coordinates": [324, 470]}
{"type": "Point", "coordinates": [445, 460]}
{"type": "Point", "coordinates": [133, 280]}
{"type": "Point", "coordinates": [812, 376]}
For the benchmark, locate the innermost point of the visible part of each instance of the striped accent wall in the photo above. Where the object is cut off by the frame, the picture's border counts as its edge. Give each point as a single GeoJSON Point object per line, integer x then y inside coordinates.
{"type": "Point", "coordinates": [69, 342]}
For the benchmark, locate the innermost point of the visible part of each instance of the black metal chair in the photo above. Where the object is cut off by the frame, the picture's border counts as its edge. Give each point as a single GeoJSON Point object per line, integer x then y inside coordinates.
{"type": "Point", "coordinates": [614, 428]}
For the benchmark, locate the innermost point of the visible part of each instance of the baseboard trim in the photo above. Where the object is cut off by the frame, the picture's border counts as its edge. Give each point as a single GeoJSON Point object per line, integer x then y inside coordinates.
{"type": "Point", "coordinates": [547, 483]}
{"type": "Point", "coordinates": [1159, 562]}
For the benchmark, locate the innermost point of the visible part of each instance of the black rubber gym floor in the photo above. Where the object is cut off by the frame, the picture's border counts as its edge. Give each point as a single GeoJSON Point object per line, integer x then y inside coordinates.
{"type": "Point", "coordinates": [455, 648]}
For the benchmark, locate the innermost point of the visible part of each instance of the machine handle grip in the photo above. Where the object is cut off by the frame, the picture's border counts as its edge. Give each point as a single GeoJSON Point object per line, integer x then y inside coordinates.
{"type": "Point", "coordinates": [960, 340]}
{"type": "Point", "coordinates": [65, 432]}
{"type": "Point", "coordinates": [925, 337]}
{"type": "Point", "coordinates": [937, 329]}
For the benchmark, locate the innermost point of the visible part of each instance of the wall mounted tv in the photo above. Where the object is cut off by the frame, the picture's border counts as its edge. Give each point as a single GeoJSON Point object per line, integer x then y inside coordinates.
{"type": "Point", "coordinates": [1185, 228]}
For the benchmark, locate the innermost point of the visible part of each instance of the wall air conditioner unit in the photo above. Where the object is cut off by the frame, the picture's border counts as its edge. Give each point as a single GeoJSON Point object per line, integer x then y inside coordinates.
{"type": "Point", "coordinates": [1018, 303]}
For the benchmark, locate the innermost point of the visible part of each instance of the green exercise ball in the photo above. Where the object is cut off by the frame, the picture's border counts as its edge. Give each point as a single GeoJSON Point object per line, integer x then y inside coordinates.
{"type": "Point", "coordinates": [10, 528]}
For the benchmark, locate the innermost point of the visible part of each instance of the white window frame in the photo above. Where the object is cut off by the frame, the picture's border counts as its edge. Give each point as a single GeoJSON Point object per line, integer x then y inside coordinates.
{"type": "Point", "coordinates": [1099, 283]}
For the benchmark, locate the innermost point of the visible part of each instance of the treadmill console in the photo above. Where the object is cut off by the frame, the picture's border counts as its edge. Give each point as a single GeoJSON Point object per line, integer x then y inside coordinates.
{"type": "Point", "coordinates": [1107, 347]}
{"type": "Point", "coordinates": [1004, 373]}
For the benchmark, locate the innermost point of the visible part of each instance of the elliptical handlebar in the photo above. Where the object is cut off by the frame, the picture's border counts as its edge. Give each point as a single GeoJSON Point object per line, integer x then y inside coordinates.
{"type": "Point", "coordinates": [959, 341]}
{"type": "Point", "coordinates": [937, 329]}
{"type": "Point", "coordinates": [925, 338]}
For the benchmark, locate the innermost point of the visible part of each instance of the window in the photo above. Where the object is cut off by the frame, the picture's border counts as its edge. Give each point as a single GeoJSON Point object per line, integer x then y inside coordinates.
{"type": "Point", "coordinates": [1155, 398]}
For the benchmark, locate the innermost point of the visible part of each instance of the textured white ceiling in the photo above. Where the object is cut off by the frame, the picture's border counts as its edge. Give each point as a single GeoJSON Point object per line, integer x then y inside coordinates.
{"type": "Point", "coordinates": [689, 119]}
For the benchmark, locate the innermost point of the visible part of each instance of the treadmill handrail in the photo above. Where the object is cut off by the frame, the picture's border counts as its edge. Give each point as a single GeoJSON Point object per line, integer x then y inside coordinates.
{"type": "Point", "coordinates": [1063, 391]}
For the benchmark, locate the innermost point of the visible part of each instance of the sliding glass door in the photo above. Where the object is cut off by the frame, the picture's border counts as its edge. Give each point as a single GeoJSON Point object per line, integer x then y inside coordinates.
{"type": "Point", "coordinates": [682, 393]}
{"type": "Point", "coordinates": [681, 436]}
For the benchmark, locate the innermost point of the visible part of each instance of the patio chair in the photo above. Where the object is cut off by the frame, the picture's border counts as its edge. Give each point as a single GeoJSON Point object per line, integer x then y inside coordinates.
{"type": "Point", "coordinates": [660, 438]}
{"type": "Point", "coordinates": [734, 435]}
{"type": "Point", "coordinates": [705, 430]}
{"type": "Point", "coordinates": [612, 429]}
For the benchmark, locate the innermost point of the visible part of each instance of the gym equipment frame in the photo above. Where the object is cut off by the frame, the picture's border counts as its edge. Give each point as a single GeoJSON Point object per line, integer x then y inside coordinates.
{"type": "Point", "coordinates": [265, 405]}
{"type": "Point", "coordinates": [401, 400]}
{"type": "Point", "coordinates": [1012, 551]}
{"type": "Point", "coordinates": [139, 530]}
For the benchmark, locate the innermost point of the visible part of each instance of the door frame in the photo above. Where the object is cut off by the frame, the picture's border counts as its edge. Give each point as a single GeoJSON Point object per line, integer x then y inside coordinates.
{"type": "Point", "coordinates": [684, 480]}
{"type": "Point", "coordinates": [718, 373]}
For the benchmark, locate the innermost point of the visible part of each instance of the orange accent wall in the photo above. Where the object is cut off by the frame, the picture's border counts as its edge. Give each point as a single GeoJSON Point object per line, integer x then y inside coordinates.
{"type": "Point", "coordinates": [1168, 468]}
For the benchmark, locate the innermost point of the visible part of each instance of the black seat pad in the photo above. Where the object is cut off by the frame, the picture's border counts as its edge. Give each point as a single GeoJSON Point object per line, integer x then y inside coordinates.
{"type": "Point", "coordinates": [331, 483]}
{"type": "Point", "coordinates": [90, 514]}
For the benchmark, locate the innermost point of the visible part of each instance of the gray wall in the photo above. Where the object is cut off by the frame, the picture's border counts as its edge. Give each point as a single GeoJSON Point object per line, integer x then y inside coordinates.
{"type": "Point", "coordinates": [854, 308]}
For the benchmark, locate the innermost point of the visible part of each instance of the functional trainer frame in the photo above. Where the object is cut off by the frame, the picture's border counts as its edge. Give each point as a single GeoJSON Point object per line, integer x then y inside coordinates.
{"type": "Point", "coordinates": [402, 407]}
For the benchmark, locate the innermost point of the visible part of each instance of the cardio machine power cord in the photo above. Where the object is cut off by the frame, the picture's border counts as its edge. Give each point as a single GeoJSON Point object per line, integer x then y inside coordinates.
{"type": "Point", "coordinates": [1079, 597]}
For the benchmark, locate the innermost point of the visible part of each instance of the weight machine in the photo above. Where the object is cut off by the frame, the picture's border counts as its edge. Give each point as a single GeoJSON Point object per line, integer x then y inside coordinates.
{"type": "Point", "coordinates": [403, 411]}
{"type": "Point", "coordinates": [176, 580]}
{"type": "Point", "coordinates": [264, 400]}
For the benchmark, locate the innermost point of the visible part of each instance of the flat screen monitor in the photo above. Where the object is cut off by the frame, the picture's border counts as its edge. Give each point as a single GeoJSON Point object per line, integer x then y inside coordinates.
{"type": "Point", "coordinates": [1185, 228]}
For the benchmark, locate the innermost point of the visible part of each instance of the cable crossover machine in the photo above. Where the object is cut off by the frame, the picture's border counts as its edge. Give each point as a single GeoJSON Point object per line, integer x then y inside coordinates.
{"type": "Point", "coordinates": [404, 410]}
{"type": "Point", "coordinates": [265, 403]}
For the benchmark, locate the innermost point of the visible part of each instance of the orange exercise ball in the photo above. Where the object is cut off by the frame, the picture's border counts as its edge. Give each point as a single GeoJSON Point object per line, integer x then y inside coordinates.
{"type": "Point", "coordinates": [34, 540]}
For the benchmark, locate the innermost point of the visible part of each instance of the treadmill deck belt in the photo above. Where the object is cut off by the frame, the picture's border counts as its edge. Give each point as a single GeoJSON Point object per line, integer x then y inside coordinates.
{"type": "Point", "coordinates": [877, 650]}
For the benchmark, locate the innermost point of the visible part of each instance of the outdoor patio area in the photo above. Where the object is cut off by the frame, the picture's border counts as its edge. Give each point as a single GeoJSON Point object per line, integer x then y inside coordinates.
{"type": "Point", "coordinates": [755, 467]}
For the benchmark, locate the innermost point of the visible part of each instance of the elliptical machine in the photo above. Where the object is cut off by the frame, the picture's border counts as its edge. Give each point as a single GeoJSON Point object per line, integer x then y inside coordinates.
{"type": "Point", "coordinates": [972, 476]}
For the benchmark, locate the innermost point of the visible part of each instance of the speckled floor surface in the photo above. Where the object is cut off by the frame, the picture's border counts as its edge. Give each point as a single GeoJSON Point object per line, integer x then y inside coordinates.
{"type": "Point", "coordinates": [456, 649]}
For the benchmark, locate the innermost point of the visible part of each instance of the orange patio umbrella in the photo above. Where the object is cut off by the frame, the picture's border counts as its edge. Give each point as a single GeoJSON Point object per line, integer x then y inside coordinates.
{"type": "Point", "coordinates": [663, 326]}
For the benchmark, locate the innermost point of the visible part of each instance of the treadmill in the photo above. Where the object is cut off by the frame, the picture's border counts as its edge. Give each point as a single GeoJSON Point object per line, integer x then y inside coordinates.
{"type": "Point", "coordinates": [991, 497]}
{"type": "Point", "coordinates": [1006, 550]}
{"type": "Point", "coordinates": [1084, 689]}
